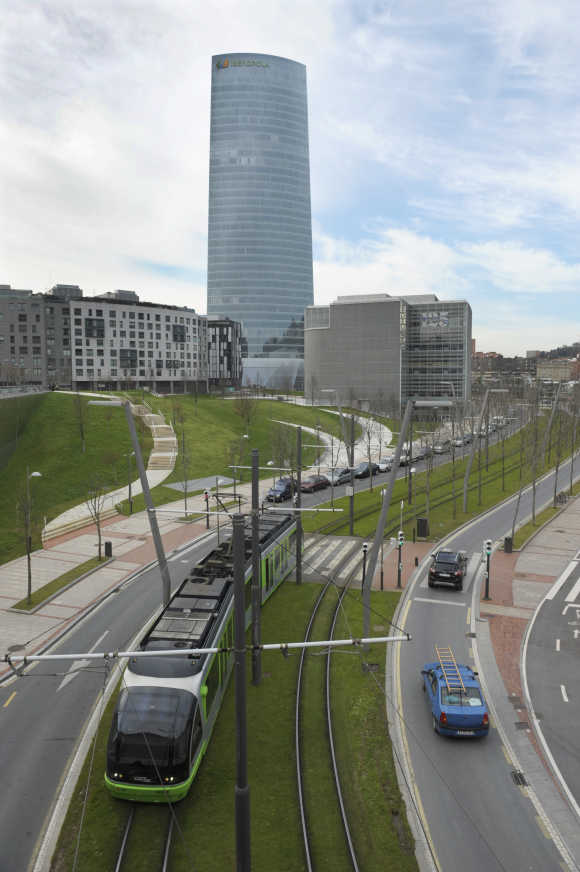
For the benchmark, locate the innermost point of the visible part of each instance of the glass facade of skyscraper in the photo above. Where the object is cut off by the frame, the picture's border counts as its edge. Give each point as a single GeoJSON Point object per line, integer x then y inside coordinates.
{"type": "Point", "coordinates": [259, 233]}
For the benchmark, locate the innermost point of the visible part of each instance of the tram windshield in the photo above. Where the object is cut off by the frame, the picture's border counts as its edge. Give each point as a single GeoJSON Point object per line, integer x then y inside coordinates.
{"type": "Point", "coordinates": [150, 731]}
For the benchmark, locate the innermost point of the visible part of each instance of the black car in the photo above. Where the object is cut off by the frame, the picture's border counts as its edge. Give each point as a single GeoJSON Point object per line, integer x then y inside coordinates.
{"type": "Point", "coordinates": [448, 567]}
{"type": "Point", "coordinates": [363, 470]}
{"type": "Point", "coordinates": [339, 476]}
{"type": "Point", "coordinates": [281, 490]}
{"type": "Point", "coordinates": [314, 483]}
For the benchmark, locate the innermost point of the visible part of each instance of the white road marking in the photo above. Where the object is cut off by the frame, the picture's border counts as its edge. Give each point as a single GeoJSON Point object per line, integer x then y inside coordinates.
{"type": "Point", "coordinates": [564, 694]}
{"type": "Point", "coordinates": [557, 644]}
{"type": "Point", "coordinates": [573, 593]}
{"type": "Point", "coordinates": [77, 665]}
{"type": "Point", "coordinates": [558, 584]}
{"type": "Point", "coordinates": [424, 599]}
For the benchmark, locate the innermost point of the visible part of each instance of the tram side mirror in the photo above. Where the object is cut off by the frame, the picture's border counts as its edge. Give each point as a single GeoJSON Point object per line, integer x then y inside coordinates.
{"type": "Point", "coordinates": [204, 690]}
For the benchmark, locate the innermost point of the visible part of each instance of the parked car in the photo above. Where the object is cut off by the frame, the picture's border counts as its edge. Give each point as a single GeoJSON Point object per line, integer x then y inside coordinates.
{"type": "Point", "coordinates": [385, 464]}
{"type": "Point", "coordinates": [281, 490]}
{"type": "Point", "coordinates": [457, 703]}
{"type": "Point", "coordinates": [467, 438]}
{"type": "Point", "coordinates": [363, 470]}
{"type": "Point", "coordinates": [404, 459]}
{"type": "Point", "coordinates": [448, 567]}
{"type": "Point", "coordinates": [314, 483]}
{"type": "Point", "coordinates": [458, 443]}
{"type": "Point", "coordinates": [339, 476]}
{"type": "Point", "coordinates": [442, 447]}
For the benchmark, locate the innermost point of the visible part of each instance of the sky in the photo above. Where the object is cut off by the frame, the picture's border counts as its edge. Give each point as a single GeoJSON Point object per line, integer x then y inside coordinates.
{"type": "Point", "coordinates": [444, 149]}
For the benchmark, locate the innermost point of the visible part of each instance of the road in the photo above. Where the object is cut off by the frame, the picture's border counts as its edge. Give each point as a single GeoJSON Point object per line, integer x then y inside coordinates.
{"type": "Point", "coordinates": [475, 816]}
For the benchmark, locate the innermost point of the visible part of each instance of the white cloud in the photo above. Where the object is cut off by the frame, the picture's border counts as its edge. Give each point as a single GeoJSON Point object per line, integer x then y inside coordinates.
{"type": "Point", "coordinates": [515, 269]}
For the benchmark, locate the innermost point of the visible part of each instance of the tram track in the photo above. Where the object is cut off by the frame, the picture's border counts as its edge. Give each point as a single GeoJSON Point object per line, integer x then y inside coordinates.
{"type": "Point", "coordinates": [124, 862]}
{"type": "Point", "coordinates": [307, 814]}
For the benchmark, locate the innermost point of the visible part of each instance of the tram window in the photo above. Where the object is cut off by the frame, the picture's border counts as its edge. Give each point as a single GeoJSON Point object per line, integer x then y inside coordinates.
{"type": "Point", "coordinates": [248, 594]}
{"type": "Point", "coordinates": [213, 682]}
{"type": "Point", "coordinates": [196, 734]}
{"type": "Point", "coordinates": [268, 568]}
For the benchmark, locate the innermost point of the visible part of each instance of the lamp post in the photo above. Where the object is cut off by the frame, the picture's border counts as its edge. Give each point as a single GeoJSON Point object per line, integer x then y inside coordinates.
{"type": "Point", "coordinates": [129, 455]}
{"type": "Point", "coordinates": [27, 522]}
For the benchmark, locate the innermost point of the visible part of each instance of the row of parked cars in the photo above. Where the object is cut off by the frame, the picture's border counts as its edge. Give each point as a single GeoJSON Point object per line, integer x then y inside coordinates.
{"type": "Point", "coordinates": [285, 487]}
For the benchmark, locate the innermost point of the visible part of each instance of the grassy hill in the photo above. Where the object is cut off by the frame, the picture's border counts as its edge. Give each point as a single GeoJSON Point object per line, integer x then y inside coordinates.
{"type": "Point", "coordinates": [48, 440]}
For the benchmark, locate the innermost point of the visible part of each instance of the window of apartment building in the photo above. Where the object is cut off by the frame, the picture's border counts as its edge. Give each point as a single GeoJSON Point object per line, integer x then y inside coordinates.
{"type": "Point", "coordinates": [78, 371]}
{"type": "Point", "coordinates": [149, 345]}
{"type": "Point", "coordinates": [140, 316]}
{"type": "Point", "coordinates": [79, 342]}
{"type": "Point", "coordinates": [158, 336]}
{"type": "Point", "coordinates": [158, 317]}
{"type": "Point", "coordinates": [22, 328]}
{"type": "Point", "coordinates": [90, 372]}
{"type": "Point", "coordinates": [141, 354]}
{"type": "Point", "coordinates": [113, 352]}
{"type": "Point", "coordinates": [113, 372]}
{"type": "Point", "coordinates": [149, 354]}
{"type": "Point", "coordinates": [141, 334]}
{"type": "Point", "coordinates": [122, 333]}
{"type": "Point", "coordinates": [131, 334]}
{"type": "Point", "coordinates": [78, 322]}
{"type": "Point", "coordinates": [98, 313]}
{"type": "Point", "coordinates": [131, 316]}
{"type": "Point", "coordinates": [77, 312]}
{"type": "Point", "coordinates": [23, 349]}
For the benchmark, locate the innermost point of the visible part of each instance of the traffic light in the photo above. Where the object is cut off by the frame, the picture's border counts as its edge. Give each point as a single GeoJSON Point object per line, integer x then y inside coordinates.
{"type": "Point", "coordinates": [401, 538]}
{"type": "Point", "coordinates": [488, 547]}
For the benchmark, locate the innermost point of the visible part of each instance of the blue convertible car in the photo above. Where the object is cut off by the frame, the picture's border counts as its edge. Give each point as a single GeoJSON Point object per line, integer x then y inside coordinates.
{"type": "Point", "coordinates": [457, 703]}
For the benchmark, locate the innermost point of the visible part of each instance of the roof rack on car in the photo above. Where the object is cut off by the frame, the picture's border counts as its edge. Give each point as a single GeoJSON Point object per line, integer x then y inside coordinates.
{"type": "Point", "coordinates": [450, 669]}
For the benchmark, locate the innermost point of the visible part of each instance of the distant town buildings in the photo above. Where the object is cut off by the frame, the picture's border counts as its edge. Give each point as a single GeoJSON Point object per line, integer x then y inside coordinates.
{"type": "Point", "coordinates": [383, 350]}
{"type": "Point", "coordinates": [112, 341]}
{"type": "Point", "coordinates": [259, 228]}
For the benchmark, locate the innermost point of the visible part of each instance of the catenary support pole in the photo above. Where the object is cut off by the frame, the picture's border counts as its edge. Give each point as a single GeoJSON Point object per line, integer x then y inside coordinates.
{"type": "Point", "coordinates": [298, 505]}
{"type": "Point", "coordinates": [351, 463]}
{"type": "Point", "coordinates": [256, 586]}
{"type": "Point", "coordinates": [242, 790]}
{"type": "Point", "coordinates": [380, 528]}
{"type": "Point", "coordinates": [157, 541]}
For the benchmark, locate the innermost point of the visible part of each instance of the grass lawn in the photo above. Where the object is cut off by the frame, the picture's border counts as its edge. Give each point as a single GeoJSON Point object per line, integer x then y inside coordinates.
{"type": "Point", "coordinates": [43, 593]}
{"type": "Point", "coordinates": [214, 437]}
{"type": "Point", "coordinates": [207, 815]}
{"type": "Point", "coordinates": [50, 443]}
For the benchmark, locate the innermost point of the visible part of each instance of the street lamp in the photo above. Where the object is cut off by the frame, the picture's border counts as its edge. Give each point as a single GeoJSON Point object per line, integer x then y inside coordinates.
{"type": "Point", "coordinates": [27, 521]}
{"type": "Point", "coordinates": [129, 455]}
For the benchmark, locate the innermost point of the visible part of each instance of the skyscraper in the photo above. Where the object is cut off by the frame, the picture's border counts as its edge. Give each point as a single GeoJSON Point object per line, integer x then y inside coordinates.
{"type": "Point", "coordinates": [260, 232]}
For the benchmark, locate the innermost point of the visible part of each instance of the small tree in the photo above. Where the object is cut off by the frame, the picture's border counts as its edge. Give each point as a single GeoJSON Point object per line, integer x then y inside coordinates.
{"type": "Point", "coordinates": [245, 407]}
{"type": "Point", "coordinates": [95, 503]}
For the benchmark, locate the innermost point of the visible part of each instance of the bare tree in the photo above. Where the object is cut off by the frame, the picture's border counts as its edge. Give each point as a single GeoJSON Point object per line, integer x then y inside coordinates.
{"type": "Point", "coordinates": [370, 433]}
{"type": "Point", "coordinates": [245, 406]}
{"type": "Point", "coordinates": [95, 503]}
{"type": "Point", "coordinates": [80, 411]}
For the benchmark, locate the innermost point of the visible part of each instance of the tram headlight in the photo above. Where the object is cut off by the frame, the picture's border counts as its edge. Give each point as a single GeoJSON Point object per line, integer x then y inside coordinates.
{"type": "Point", "coordinates": [169, 779]}
{"type": "Point", "coordinates": [118, 775]}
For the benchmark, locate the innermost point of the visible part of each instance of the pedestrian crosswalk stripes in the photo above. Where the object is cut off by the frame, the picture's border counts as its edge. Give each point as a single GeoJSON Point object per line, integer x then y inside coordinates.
{"type": "Point", "coordinates": [340, 554]}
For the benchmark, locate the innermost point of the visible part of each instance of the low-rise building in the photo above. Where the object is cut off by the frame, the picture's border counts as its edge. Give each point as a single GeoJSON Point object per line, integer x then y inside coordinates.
{"type": "Point", "coordinates": [382, 350]}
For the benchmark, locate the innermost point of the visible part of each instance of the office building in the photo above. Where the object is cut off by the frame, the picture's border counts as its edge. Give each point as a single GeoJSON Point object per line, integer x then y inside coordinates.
{"type": "Point", "coordinates": [259, 230]}
{"type": "Point", "coordinates": [224, 350]}
{"type": "Point", "coordinates": [381, 350]}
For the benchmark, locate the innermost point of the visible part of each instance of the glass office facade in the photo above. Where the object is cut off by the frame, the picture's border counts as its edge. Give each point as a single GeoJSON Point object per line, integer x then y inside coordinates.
{"type": "Point", "coordinates": [259, 233]}
{"type": "Point", "coordinates": [435, 350]}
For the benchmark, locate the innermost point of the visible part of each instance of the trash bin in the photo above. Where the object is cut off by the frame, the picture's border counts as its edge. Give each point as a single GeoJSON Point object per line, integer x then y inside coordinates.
{"type": "Point", "coordinates": [507, 544]}
{"type": "Point", "coordinates": [422, 528]}
{"type": "Point", "coordinates": [108, 549]}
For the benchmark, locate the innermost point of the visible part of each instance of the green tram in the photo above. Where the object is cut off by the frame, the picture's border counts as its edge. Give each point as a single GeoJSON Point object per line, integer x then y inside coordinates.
{"type": "Point", "coordinates": [168, 706]}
